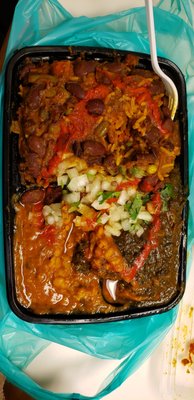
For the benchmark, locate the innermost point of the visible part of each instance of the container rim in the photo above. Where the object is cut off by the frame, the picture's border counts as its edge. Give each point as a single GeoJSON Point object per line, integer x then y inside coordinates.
{"type": "Point", "coordinates": [51, 52]}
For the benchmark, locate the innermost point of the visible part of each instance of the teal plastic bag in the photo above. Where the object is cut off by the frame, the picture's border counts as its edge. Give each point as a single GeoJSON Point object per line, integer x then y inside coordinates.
{"type": "Point", "coordinates": [45, 22]}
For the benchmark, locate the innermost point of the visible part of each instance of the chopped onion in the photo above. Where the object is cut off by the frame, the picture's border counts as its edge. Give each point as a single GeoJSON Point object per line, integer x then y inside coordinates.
{"type": "Point", "coordinates": [95, 186]}
{"type": "Point", "coordinates": [124, 196]}
{"type": "Point", "coordinates": [46, 211]}
{"type": "Point", "coordinates": [92, 171]}
{"type": "Point", "coordinates": [118, 178]}
{"type": "Point", "coordinates": [131, 192]}
{"type": "Point", "coordinates": [50, 220]}
{"type": "Point", "coordinates": [67, 155]}
{"type": "Point", "coordinates": [72, 172]}
{"type": "Point", "coordinates": [140, 231]}
{"type": "Point", "coordinates": [73, 197]}
{"type": "Point", "coordinates": [115, 225]}
{"type": "Point", "coordinates": [145, 216]}
{"type": "Point", "coordinates": [103, 218]}
{"type": "Point", "coordinates": [88, 188]}
{"type": "Point", "coordinates": [106, 185]}
{"type": "Point", "coordinates": [99, 206]}
{"type": "Point", "coordinates": [115, 213]}
{"type": "Point", "coordinates": [123, 214]}
{"type": "Point", "coordinates": [126, 225]}
{"type": "Point", "coordinates": [88, 199]}
{"type": "Point", "coordinates": [78, 183]}
{"type": "Point", "coordinates": [71, 162]}
{"type": "Point", "coordinates": [62, 180]}
{"type": "Point", "coordinates": [112, 231]}
{"type": "Point", "coordinates": [86, 211]}
{"type": "Point", "coordinates": [56, 207]}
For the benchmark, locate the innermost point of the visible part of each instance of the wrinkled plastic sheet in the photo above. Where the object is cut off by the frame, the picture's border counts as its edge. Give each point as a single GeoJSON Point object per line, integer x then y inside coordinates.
{"type": "Point", "coordinates": [46, 22]}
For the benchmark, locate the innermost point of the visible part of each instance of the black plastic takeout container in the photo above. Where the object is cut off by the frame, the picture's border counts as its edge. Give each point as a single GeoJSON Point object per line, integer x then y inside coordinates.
{"type": "Point", "coordinates": [12, 185]}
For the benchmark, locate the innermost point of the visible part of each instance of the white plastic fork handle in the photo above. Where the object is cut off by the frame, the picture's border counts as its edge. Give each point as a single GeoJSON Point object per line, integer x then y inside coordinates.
{"type": "Point", "coordinates": [152, 36]}
{"type": "Point", "coordinates": [154, 59]}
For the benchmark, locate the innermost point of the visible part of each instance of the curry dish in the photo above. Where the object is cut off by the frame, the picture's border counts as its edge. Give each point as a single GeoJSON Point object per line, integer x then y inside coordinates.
{"type": "Point", "coordinates": [98, 222]}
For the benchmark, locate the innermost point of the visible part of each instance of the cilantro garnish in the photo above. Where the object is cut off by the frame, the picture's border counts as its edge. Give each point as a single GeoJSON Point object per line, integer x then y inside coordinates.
{"type": "Point", "coordinates": [166, 194]}
{"type": "Point", "coordinates": [134, 207]}
{"type": "Point", "coordinates": [145, 199]}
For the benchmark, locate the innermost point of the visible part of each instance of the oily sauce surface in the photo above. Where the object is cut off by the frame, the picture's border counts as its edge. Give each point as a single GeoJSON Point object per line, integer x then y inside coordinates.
{"type": "Point", "coordinates": [53, 274]}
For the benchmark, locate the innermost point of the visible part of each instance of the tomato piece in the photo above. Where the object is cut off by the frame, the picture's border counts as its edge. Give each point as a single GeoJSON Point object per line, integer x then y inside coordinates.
{"type": "Point", "coordinates": [118, 83]}
{"type": "Point", "coordinates": [60, 68]}
{"type": "Point", "coordinates": [112, 200]}
{"type": "Point", "coordinates": [127, 184]}
{"type": "Point", "coordinates": [146, 186]}
{"type": "Point", "coordinates": [99, 92]}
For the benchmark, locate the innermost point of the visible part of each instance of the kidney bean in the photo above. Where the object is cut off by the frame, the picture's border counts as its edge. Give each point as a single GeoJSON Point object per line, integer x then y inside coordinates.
{"type": "Point", "coordinates": [153, 136]}
{"type": "Point", "coordinates": [33, 98]}
{"type": "Point", "coordinates": [37, 145]}
{"type": "Point", "coordinates": [101, 77]}
{"type": "Point", "coordinates": [168, 145]}
{"type": "Point", "coordinates": [32, 196]}
{"type": "Point", "coordinates": [75, 89]}
{"type": "Point", "coordinates": [56, 111]}
{"type": "Point", "coordinates": [93, 148]}
{"type": "Point", "coordinates": [157, 87]}
{"type": "Point", "coordinates": [142, 72]}
{"type": "Point", "coordinates": [53, 195]}
{"type": "Point", "coordinates": [165, 111]}
{"type": "Point", "coordinates": [84, 67]}
{"type": "Point", "coordinates": [33, 164]}
{"type": "Point", "coordinates": [29, 127]}
{"type": "Point", "coordinates": [168, 125]}
{"type": "Point", "coordinates": [50, 151]}
{"type": "Point", "coordinates": [25, 70]}
{"type": "Point", "coordinates": [114, 67]}
{"type": "Point", "coordinates": [95, 106]}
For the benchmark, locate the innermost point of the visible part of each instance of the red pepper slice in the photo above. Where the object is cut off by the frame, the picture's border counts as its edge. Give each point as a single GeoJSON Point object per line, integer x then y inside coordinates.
{"type": "Point", "coordinates": [151, 244]}
{"type": "Point", "coordinates": [138, 263]}
{"type": "Point", "coordinates": [157, 202]}
{"type": "Point", "coordinates": [112, 200]}
{"type": "Point", "coordinates": [127, 184]}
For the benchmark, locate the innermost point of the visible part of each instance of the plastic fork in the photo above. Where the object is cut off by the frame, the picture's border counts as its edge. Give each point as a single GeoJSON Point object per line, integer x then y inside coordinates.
{"type": "Point", "coordinates": [168, 83]}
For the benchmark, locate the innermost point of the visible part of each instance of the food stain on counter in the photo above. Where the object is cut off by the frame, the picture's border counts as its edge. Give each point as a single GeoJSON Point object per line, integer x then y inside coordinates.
{"type": "Point", "coordinates": [191, 312]}
{"type": "Point", "coordinates": [182, 342]}
{"type": "Point", "coordinates": [189, 361]}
